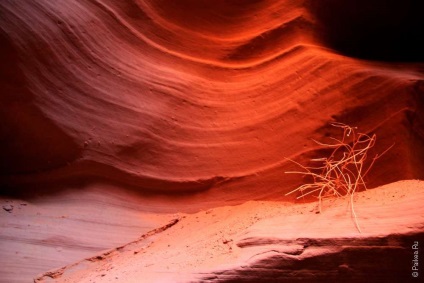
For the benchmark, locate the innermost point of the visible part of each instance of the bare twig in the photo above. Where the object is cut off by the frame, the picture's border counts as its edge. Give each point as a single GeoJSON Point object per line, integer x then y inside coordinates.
{"type": "Point", "coordinates": [342, 173]}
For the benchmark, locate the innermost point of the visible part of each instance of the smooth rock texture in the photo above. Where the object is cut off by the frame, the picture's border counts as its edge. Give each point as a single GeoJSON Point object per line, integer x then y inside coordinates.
{"type": "Point", "coordinates": [119, 115]}
{"type": "Point", "coordinates": [189, 96]}
{"type": "Point", "coordinates": [49, 232]}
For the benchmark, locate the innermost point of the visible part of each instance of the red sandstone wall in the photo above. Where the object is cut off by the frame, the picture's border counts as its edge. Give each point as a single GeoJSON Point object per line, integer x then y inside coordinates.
{"type": "Point", "coordinates": [192, 95]}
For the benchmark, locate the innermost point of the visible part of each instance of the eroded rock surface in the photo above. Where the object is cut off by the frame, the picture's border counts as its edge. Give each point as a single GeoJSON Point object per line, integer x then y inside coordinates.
{"type": "Point", "coordinates": [192, 96]}
{"type": "Point", "coordinates": [192, 105]}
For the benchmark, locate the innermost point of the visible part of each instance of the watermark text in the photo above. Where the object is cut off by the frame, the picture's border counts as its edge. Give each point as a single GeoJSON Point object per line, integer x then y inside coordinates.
{"type": "Point", "coordinates": [415, 255]}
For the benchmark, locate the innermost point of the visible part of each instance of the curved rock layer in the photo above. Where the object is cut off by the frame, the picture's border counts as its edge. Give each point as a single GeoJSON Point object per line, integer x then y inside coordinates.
{"type": "Point", "coordinates": [212, 97]}
{"type": "Point", "coordinates": [191, 95]}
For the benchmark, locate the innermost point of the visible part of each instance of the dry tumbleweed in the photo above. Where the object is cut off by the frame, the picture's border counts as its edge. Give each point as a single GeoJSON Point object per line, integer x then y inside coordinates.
{"type": "Point", "coordinates": [342, 173]}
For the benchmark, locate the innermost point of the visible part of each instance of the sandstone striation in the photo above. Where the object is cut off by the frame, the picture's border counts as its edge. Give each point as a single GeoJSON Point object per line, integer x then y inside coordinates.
{"type": "Point", "coordinates": [127, 114]}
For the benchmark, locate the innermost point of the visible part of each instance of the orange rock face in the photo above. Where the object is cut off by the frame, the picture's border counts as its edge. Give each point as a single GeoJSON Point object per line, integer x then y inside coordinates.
{"type": "Point", "coordinates": [203, 101]}
{"type": "Point", "coordinates": [194, 95]}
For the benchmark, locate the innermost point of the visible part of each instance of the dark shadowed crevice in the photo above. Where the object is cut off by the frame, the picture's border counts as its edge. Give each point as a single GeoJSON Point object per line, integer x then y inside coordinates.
{"type": "Point", "coordinates": [387, 30]}
{"type": "Point", "coordinates": [30, 142]}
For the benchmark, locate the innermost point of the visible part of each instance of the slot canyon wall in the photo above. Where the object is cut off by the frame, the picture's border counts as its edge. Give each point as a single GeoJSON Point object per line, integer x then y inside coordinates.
{"type": "Point", "coordinates": [118, 117]}
{"type": "Point", "coordinates": [177, 96]}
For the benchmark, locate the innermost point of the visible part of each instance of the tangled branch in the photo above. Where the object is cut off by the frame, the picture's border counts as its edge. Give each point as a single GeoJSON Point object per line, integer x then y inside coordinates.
{"type": "Point", "coordinates": [343, 172]}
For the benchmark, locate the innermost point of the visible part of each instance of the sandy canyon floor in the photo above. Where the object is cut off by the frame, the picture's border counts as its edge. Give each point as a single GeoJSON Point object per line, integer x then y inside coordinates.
{"type": "Point", "coordinates": [256, 240]}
